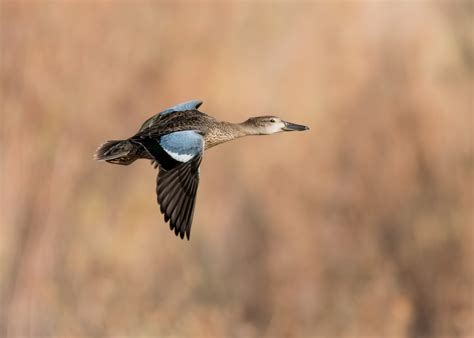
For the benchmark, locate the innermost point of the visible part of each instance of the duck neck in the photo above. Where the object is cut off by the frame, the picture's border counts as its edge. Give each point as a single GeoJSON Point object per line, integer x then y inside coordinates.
{"type": "Point", "coordinates": [226, 131]}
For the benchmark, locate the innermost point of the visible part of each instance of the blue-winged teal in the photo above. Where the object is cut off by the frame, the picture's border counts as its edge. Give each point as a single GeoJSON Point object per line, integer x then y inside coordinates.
{"type": "Point", "coordinates": [175, 140]}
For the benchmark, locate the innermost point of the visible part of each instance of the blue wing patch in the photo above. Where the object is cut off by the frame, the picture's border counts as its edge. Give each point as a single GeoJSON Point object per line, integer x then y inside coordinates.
{"type": "Point", "coordinates": [182, 145]}
{"type": "Point", "coordinates": [188, 105]}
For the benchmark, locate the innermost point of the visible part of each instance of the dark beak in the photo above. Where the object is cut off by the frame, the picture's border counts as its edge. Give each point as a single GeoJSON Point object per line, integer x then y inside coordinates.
{"type": "Point", "coordinates": [294, 127]}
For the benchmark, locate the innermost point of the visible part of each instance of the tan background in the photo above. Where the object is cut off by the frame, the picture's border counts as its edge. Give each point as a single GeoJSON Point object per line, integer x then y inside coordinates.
{"type": "Point", "coordinates": [361, 227]}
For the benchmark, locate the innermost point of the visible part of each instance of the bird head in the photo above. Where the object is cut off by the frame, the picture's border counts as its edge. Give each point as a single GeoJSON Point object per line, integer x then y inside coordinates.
{"type": "Point", "coordinates": [266, 125]}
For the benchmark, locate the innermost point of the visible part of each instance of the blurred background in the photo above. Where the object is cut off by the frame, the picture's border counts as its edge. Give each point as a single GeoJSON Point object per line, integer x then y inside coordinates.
{"type": "Point", "coordinates": [360, 227]}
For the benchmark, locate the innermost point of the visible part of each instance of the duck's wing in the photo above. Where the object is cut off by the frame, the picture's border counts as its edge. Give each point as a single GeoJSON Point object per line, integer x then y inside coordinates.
{"type": "Point", "coordinates": [178, 155]}
{"type": "Point", "coordinates": [184, 106]}
{"type": "Point", "coordinates": [188, 105]}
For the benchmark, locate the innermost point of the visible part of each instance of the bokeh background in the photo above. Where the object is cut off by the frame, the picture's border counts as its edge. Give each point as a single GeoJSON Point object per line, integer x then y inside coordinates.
{"type": "Point", "coordinates": [360, 227]}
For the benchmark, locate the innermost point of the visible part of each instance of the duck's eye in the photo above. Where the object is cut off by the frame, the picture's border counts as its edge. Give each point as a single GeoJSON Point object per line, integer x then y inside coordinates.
{"type": "Point", "coordinates": [272, 120]}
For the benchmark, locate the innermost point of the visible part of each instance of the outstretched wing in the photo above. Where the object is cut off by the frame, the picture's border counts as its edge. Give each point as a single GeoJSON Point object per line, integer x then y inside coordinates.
{"type": "Point", "coordinates": [188, 105]}
{"type": "Point", "coordinates": [176, 193]}
{"type": "Point", "coordinates": [179, 155]}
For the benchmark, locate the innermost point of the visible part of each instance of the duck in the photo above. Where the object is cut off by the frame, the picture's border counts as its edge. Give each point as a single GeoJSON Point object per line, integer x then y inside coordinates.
{"type": "Point", "coordinates": [175, 140]}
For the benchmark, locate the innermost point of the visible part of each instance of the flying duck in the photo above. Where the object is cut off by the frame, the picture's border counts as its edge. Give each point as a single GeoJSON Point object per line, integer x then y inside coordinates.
{"type": "Point", "coordinates": [175, 140]}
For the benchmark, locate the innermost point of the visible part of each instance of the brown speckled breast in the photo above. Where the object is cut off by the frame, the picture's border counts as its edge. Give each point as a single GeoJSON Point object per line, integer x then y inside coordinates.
{"type": "Point", "coordinates": [213, 131]}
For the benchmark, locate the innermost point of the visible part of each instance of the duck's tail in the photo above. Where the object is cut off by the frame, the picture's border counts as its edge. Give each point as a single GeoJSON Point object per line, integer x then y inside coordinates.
{"type": "Point", "coordinates": [117, 152]}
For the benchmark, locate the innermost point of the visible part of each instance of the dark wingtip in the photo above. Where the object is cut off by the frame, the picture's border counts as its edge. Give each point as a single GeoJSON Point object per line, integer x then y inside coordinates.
{"type": "Point", "coordinates": [178, 210]}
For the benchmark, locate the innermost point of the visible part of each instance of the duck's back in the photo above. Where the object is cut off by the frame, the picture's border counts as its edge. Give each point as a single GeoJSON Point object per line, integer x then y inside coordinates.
{"type": "Point", "coordinates": [168, 124]}
{"type": "Point", "coordinates": [162, 124]}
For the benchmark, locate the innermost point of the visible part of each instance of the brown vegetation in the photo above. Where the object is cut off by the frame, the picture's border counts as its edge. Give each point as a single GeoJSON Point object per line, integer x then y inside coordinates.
{"type": "Point", "coordinates": [361, 227]}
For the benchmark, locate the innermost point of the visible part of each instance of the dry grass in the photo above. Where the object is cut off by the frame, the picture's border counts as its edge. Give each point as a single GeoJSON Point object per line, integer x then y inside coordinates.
{"type": "Point", "coordinates": [361, 227]}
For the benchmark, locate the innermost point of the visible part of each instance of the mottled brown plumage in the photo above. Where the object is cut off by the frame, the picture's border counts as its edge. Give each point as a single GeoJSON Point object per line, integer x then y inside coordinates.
{"type": "Point", "coordinates": [175, 141]}
{"type": "Point", "coordinates": [214, 132]}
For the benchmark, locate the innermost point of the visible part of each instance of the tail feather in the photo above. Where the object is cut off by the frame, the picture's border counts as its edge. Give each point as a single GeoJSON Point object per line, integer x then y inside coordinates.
{"type": "Point", "coordinates": [117, 152]}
